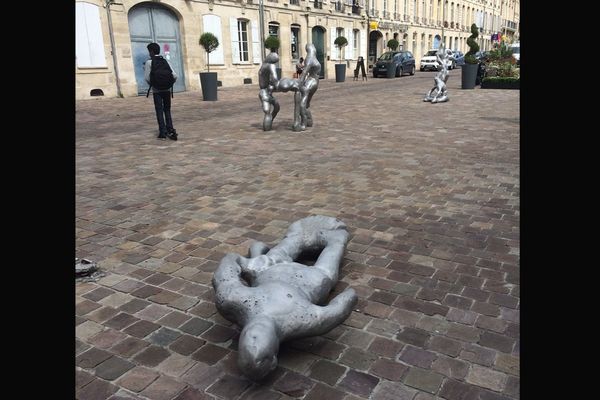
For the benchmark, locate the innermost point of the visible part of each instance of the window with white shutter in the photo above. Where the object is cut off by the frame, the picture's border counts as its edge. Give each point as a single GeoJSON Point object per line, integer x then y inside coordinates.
{"type": "Point", "coordinates": [256, 50]}
{"type": "Point", "coordinates": [348, 53]}
{"type": "Point", "coordinates": [212, 24]}
{"type": "Point", "coordinates": [89, 43]}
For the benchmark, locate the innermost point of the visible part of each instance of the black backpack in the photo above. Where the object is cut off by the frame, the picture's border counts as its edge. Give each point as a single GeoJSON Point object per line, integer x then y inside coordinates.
{"type": "Point", "coordinates": [161, 75]}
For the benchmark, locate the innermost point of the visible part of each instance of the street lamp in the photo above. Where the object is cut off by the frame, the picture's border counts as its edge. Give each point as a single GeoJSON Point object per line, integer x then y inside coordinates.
{"type": "Point", "coordinates": [261, 13]}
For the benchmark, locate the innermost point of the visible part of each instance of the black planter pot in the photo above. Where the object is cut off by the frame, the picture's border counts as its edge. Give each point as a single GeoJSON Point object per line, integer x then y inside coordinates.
{"type": "Point", "coordinates": [208, 81]}
{"type": "Point", "coordinates": [468, 75]}
{"type": "Point", "coordinates": [340, 72]}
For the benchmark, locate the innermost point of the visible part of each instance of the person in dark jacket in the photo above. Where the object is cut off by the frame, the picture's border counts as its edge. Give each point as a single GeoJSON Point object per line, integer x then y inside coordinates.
{"type": "Point", "coordinates": [162, 98]}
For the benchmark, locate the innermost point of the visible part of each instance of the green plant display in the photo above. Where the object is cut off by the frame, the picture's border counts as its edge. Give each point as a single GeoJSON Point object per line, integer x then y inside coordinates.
{"type": "Point", "coordinates": [340, 42]}
{"type": "Point", "coordinates": [272, 43]}
{"type": "Point", "coordinates": [473, 46]}
{"type": "Point", "coordinates": [393, 44]}
{"type": "Point", "coordinates": [210, 43]}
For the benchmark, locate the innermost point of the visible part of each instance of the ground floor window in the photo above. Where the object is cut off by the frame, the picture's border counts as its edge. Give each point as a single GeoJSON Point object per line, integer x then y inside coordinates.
{"type": "Point", "coordinates": [243, 39]}
{"type": "Point", "coordinates": [295, 42]}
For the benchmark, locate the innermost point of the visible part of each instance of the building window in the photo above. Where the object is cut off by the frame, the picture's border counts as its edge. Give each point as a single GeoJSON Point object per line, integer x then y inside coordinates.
{"type": "Point", "coordinates": [355, 42]}
{"type": "Point", "coordinates": [243, 40]}
{"type": "Point", "coordinates": [318, 4]}
{"type": "Point", "coordinates": [295, 2]}
{"type": "Point", "coordinates": [414, 43]}
{"type": "Point", "coordinates": [89, 43]}
{"type": "Point", "coordinates": [274, 29]}
{"type": "Point", "coordinates": [295, 42]}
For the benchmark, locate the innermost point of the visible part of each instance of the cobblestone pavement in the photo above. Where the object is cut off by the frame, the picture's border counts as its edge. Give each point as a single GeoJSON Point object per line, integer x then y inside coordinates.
{"type": "Point", "coordinates": [430, 193]}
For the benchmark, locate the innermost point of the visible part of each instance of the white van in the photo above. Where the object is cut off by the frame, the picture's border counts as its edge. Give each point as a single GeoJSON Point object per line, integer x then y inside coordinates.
{"type": "Point", "coordinates": [516, 52]}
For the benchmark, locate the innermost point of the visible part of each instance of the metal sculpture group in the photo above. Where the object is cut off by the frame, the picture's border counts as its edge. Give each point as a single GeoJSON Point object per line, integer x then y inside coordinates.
{"type": "Point", "coordinates": [275, 298]}
{"type": "Point", "coordinates": [439, 93]}
{"type": "Point", "coordinates": [304, 88]}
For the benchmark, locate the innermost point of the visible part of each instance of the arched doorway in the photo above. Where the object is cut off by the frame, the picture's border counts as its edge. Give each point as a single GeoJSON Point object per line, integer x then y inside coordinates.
{"type": "Point", "coordinates": [318, 39]}
{"type": "Point", "coordinates": [375, 38]}
{"type": "Point", "coordinates": [154, 23]}
{"type": "Point", "coordinates": [436, 41]}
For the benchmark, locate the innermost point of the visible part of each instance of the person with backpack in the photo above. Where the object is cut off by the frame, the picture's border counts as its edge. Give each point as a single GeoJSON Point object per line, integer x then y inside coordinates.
{"type": "Point", "coordinates": [161, 78]}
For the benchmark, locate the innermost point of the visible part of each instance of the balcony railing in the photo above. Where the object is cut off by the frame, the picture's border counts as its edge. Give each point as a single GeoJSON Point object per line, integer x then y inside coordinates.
{"type": "Point", "coordinates": [424, 21]}
{"type": "Point", "coordinates": [295, 2]}
{"type": "Point", "coordinates": [406, 17]}
{"type": "Point", "coordinates": [452, 24]}
{"type": "Point", "coordinates": [386, 14]}
{"type": "Point", "coordinates": [416, 19]}
{"type": "Point", "coordinates": [318, 4]}
{"type": "Point", "coordinates": [398, 16]}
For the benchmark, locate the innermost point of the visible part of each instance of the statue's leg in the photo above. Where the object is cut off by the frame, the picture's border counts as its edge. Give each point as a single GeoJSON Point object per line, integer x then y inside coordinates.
{"type": "Point", "coordinates": [331, 257]}
{"type": "Point", "coordinates": [309, 119]}
{"type": "Point", "coordinates": [267, 119]}
{"type": "Point", "coordinates": [297, 118]}
{"type": "Point", "coordinates": [275, 107]}
{"type": "Point", "coordinates": [319, 320]}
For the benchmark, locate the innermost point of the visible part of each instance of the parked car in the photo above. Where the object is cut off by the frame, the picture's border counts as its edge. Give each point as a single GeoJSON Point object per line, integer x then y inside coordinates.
{"type": "Point", "coordinates": [402, 61]}
{"type": "Point", "coordinates": [429, 61]}
{"type": "Point", "coordinates": [459, 58]}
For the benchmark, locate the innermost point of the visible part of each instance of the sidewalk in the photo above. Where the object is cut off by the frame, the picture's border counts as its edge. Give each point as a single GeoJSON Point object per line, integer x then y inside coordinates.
{"type": "Point", "coordinates": [430, 193]}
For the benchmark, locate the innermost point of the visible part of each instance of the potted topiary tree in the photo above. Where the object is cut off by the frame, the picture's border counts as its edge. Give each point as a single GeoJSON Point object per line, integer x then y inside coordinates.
{"type": "Point", "coordinates": [272, 43]}
{"type": "Point", "coordinates": [469, 70]}
{"type": "Point", "coordinates": [392, 44]}
{"type": "Point", "coordinates": [340, 69]}
{"type": "Point", "coordinates": [208, 80]}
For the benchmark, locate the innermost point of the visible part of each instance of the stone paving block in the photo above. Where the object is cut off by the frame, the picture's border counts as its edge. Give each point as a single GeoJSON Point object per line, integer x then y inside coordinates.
{"type": "Point", "coordinates": [358, 359]}
{"type": "Point", "coordinates": [383, 328]}
{"type": "Point", "coordinates": [455, 390]}
{"type": "Point", "coordinates": [186, 344]}
{"type": "Point", "coordinates": [141, 329]}
{"type": "Point", "coordinates": [320, 392]}
{"type": "Point", "coordinates": [417, 356]}
{"type": "Point", "coordinates": [152, 356]}
{"type": "Point", "coordinates": [498, 342]}
{"type": "Point", "coordinates": [195, 326]}
{"type": "Point", "coordinates": [87, 330]}
{"type": "Point", "coordinates": [138, 378]}
{"type": "Point", "coordinates": [487, 378]}
{"type": "Point", "coordinates": [201, 376]}
{"type": "Point", "coordinates": [115, 300]}
{"type": "Point", "coordinates": [98, 294]}
{"type": "Point", "coordinates": [174, 319]}
{"type": "Point", "coordinates": [210, 354]}
{"type": "Point", "coordinates": [86, 306]}
{"type": "Point", "coordinates": [359, 383]}
{"type": "Point", "coordinates": [297, 361]}
{"type": "Point", "coordinates": [91, 358]}
{"type": "Point", "coordinates": [163, 337]}
{"type": "Point", "coordinates": [450, 367]}
{"type": "Point", "coordinates": [195, 394]}
{"type": "Point", "coordinates": [293, 384]}
{"type": "Point", "coordinates": [153, 312]}
{"type": "Point", "coordinates": [356, 338]}
{"type": "Point", "coordinates": [102, 314]}
{"type": "Point", "coordinates": [121, 321]}
{"type": "Point", "coordinates": [326, 371]}
{"type": "Point", "coordinates": [416, 337]}
{"type": "Point", "coordinates": [175, 365]}
{"type": "Point", "coordinates": [218, 334]}
{"type": "Point", "coordinates": [82, 378]}
{"type": "Point", "coordinates": [393, 391]}
{"type": "Point", "coordinates": [507, 363]}
{"type": "Point", "coordinates": [422, 379]}
{"type": "Point", "coordinates": [388, 369]}
{"type": "Point", "coordinates": [113, 368]}
{"type": "Point", "coordinates": [129, 346]}
{"type": "Point", "coordinates": [164, 388]}
{"type": "Point", "coordinates": [445, 345]}
{"type": "Point", "coordinates": [134, 306]}
{"type": "Point", "coordinates": [97, 389]}
{"type": "Point", "coordinates": [107, 338]}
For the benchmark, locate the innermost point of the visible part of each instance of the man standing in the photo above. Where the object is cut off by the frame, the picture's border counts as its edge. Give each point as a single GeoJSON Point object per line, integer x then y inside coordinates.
{"type": "Point", "coordinates": [160, 76]}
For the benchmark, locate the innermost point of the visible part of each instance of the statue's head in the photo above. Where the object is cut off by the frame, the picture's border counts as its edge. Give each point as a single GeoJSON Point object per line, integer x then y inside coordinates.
{"type": "Point", "coordinates": [310, 49]}
{"type": "Point", "coordinates": [272, 58]}
{"type": "Point", "coordinates": [258, 346]}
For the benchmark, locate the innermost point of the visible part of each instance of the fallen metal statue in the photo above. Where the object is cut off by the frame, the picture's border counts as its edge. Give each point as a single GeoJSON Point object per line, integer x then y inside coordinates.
{"type": "Point", "coordinates": [274, 299]}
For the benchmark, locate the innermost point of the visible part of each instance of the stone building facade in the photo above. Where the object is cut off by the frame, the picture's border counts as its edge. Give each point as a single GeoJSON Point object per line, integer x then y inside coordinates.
{"type": "Point", "coordinates": [111, 36]}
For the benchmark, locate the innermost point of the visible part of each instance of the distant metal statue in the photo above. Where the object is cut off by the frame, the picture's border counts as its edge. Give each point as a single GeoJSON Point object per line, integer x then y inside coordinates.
{"type": "Point", "coordinates": [309, 83]}
{"type": "Point", "coordinates": [274, 299]}
{"type": "Point", "coordinates": [267, 80]}
{"type": "Point", "coordinates": [439, 93]}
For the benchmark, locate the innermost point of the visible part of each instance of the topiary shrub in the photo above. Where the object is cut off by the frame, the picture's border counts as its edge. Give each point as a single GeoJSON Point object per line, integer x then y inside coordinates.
{"type": "Point", "coordinates": [473, 46]}
{"type": "Point", "coordinates": [210, 43]}
{"type": "Point", "coordinates": [393, 44]}
{"type": "Point", "coordinates": [272, 43]}
{"type": "Point", "coordinates": [499, 82]}
{"type": "Point", "coordinates": [340, 42]}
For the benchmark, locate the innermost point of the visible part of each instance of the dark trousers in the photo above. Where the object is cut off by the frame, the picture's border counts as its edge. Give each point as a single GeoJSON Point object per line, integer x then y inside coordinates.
{"type": "Point", "coordinates": [162, 105]}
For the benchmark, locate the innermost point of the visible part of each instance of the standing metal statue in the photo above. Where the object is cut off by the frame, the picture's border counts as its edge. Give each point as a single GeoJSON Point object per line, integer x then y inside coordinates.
{"type": "Point", "coordinates": [439, 93]}
{"type": "Point", "coordinates": [309, 83]}
{"type": "Point", "coordinates": [267, 80]}
{"type": "Point", "coordinates": [273, 298]}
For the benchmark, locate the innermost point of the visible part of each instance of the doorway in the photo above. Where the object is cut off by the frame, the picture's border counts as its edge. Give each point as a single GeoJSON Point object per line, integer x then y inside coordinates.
{"type": "Point", "coordinates": [153, 23]}
{"type": "Point", "coordinates": [318, 39]}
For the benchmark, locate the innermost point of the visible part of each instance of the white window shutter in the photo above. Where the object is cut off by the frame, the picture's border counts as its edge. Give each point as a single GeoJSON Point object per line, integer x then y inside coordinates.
{"type": "Point", "coordinates": [235, 44]}
{"type": "Point", "coordinates": [334, 52]}
{"type": "Point", "coordinates": [256, 51]}
{"type": "Point", "coordinates": [362, 39]}
{"type": "Point", "coordinates": [348, 49]}
{"type": "Point", "coordinates": [212, 24]}
{"type": "Point", "coordinates": [89, 43]}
